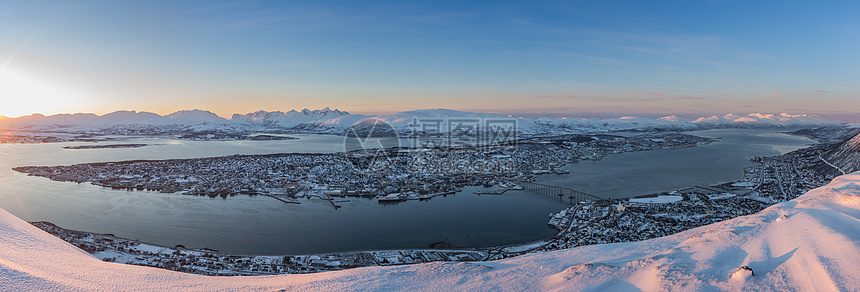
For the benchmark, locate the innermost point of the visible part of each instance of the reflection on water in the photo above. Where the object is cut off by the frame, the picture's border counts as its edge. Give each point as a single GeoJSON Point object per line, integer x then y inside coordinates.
{"type": "Point", "coordinates": [261, 225]}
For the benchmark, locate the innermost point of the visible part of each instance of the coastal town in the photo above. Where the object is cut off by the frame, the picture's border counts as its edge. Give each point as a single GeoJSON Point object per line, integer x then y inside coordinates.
{"type": "Point", "coordinates": [775, 179]}
{"type": "Point", "coordinates": [210, 262]}
{"type": "Point", "coordinates": [585, 223]}
{"type": "Point", "coordinates": [423, 173]}
{"type": "Point", "coordinates": [388, 174]}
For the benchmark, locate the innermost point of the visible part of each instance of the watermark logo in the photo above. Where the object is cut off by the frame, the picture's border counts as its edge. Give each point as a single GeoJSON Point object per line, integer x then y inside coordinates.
{"type": "Point", "coordinates": [433, 146]}
{"type": "Point", "coordinates": [367, 144]}
{"type": "Point", "coordinates": [451, 132]}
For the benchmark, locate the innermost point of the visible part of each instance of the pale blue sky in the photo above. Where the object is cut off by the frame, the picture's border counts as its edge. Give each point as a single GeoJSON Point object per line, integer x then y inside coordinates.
{"type": "Point", "coordinates": [573, 58]}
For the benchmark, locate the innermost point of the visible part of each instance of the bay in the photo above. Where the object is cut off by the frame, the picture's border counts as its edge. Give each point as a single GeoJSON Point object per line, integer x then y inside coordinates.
{"type": "Point", "coordinates": [263, 226]}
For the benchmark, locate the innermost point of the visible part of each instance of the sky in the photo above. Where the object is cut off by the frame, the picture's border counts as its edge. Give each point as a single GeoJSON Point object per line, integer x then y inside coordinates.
{"type": "Point", "coordinates": [530, 58]}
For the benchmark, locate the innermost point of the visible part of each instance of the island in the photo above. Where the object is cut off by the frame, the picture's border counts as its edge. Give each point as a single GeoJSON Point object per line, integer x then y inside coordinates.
{"type": "Point", "coordinates": [106, 146]}
{"type": "Point", "coordinates": [411, 173]}
{"type": "Point", "coordinates": [586, 223]}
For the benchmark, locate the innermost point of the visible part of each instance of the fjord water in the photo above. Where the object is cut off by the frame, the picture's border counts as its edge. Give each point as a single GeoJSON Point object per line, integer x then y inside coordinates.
{"type": "Point", "coordinates": [646, 172]}
{"type": "Point", "coordinates": [260, 225]}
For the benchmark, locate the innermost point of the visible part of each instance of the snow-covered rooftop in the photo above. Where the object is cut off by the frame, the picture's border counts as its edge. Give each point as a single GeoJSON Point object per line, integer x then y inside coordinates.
{"type": "Point", "coordinates": [807, 244]}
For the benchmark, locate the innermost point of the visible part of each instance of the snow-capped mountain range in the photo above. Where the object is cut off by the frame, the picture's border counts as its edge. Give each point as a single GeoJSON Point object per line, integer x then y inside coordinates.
{"type": "Point", "coordinates": [335, 121]}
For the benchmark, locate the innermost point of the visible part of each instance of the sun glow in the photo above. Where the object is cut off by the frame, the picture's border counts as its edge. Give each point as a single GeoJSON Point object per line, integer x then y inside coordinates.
{"type": "Point", "coordinates": [23, 95]}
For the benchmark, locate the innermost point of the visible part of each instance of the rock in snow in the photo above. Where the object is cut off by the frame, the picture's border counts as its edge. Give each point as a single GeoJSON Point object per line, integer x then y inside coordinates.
{"type": "Point", "coordinates": [811, 243]}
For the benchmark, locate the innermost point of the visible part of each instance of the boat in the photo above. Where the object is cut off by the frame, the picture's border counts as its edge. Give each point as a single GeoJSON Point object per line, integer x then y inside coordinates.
{"type": "Point", "coordinates": [395, 197]}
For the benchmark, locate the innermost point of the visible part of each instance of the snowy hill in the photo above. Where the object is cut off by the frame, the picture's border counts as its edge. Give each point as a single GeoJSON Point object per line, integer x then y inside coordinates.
{"type": "Point", "coordinates": [620, 124]}
{"type": "Point", "coordinates": [338, 121]}
{"type": "Point", "coordinates": [811, 243]}
{"type": "Point", "coordinates": [675, 123]}
{"type": "Point", "coordinates": [325, 118]}
{"type": "Point", "coordinates": [843, 157]}
{"type": "Point", "coordinates": [782, 120]}
{"type": "Point", "coordinates": [196, 116]}
{"type": "Point", "coordinates": [402, 120]}
{"type": "Point", "coordinates": [114, 119]}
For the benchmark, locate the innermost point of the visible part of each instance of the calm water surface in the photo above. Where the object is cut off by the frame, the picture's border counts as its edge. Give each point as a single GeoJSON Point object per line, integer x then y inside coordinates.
{"type": "Point", "coordinates": [645, 172]}
{"type": "Point", "coordinates": [261, 225]}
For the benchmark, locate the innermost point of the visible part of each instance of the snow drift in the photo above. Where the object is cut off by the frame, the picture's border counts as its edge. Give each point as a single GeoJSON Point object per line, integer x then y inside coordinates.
{"type": "Point", "coordinates": [809, 243]}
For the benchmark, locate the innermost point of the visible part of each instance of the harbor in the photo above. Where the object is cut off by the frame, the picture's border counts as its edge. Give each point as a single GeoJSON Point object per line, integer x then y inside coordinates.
{"type": "Point", "coordinates": [411, 174]}
{"type": "Point", "coordinates": [254, 224]}
{"type": "Point", "coordinates": [588, 222]}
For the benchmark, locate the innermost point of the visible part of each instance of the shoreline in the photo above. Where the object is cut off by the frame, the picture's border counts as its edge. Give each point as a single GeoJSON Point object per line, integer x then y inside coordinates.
{"type": "Point", "coordinates": [111, 146]}
{"type": "Point", "coordinates": [444, 168]}
{"type": "Point", "coordinates": [302, 263]}
{"type": "Point", "coordinates": [615, 219]}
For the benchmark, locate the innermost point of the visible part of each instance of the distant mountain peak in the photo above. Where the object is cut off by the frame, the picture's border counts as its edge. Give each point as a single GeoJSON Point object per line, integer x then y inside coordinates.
{"type": "Point", "coordinates": [196, 115]}
{"type": "Point", "coordinates": [765, 120]}
{"type": "Point", "coordinates": [304, 119]}
{"type": "Point", "coordinates": [328, 120]}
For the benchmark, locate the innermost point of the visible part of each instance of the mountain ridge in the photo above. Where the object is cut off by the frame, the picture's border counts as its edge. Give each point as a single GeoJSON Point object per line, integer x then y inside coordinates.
{"type": "Point", "coordinates": [327, 120]}
{"type": "Point", "coordinates": [841, 158]}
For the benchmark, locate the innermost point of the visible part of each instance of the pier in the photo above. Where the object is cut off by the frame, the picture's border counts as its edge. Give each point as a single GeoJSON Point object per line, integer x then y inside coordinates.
{"type": "Point", "coordinates": [493, 192]}
{"type": "Point", "coordinates": [573, 195]}
{"type": "Point", "coordinates": [328, 198]}
{"type": "Point", "coordinates": [700, 190]}
{"type": "Point", "coordinates": [279, 199]}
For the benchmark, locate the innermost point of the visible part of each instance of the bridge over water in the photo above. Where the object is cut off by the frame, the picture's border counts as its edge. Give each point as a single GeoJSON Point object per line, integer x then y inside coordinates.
{"type": "Point", "coordinates": [572, 194]}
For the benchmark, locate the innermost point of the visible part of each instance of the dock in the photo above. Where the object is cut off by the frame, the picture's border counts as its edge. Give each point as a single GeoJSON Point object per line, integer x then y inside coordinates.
{"type": "Point", "coordinates": [494, 192]}
{"type": "Point", "coordinates": [279, 199]}
{"type": "Point", "coordinates": [430, 196]}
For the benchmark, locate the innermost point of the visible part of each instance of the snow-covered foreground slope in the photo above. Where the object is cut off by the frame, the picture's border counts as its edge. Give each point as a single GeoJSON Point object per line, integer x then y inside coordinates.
{"type": "Point", "coordinates": [808, 244]}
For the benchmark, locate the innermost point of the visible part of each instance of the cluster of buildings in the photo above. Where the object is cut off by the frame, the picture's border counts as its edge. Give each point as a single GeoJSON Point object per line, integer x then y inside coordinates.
{"type": "Point", "coordinates": [790, 175]}
{"type": "Point", "coordinates": [775, 179]}
{"type": "Point", "coordinates": [609, 221]}
{"type": "Point", "coordinates": [9, 137]}
{"type": "Point", "coordinates": [384, 172]}
{"type": "Point", "coordinates": [413, 172]}
{"type": "Point", "coordinates": [211, 262]}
